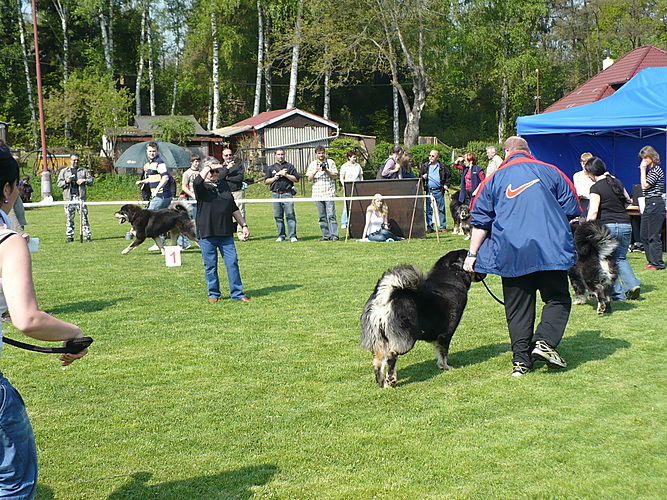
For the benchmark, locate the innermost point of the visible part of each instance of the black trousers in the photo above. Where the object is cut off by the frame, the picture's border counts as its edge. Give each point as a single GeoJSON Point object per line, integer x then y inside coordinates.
{"type": "Point", "coordinates": [653, 219]}
{"type": "Point", "coordinates": [520, 299]}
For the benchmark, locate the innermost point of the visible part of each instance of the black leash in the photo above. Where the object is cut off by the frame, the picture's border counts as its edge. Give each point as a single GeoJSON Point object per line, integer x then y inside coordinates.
{"type": "Point", "coordinates": [72, 346]}
{"type": "Point", "coordinates": [491, 293]}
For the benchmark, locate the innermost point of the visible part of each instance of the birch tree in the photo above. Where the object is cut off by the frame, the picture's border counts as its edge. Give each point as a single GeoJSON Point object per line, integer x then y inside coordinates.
{"type": "Point", "coordinates": [294, 67]}
{"type": "Point", "coordinates": [26, 70]}
{"type": "Point", "coordinates": [260, 58]}
{"type": "Point", "coordinates": [62, 8]}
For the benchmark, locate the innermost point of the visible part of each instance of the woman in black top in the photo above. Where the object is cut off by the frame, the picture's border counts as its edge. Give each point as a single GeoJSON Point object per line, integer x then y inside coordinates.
{"type": "Point", "coordinates": [608, 202]}
{"type": "Point", "coordinates": [216, 228]}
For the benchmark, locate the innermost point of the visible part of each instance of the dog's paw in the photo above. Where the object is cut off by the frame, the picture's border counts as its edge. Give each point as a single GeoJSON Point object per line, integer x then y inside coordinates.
{"type": "Point", "coordinates": [601, 308]}
{"type": "Point", "coordinates": [580, 300]}
{"type": "Point", "coordinates": [444, 366]}
{"type": "Point", "coordinates": [125, 252]}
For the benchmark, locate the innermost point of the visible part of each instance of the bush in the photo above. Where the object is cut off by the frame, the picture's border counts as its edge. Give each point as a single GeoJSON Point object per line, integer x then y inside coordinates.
{"type": "Point", "coordinates": [338, 149]}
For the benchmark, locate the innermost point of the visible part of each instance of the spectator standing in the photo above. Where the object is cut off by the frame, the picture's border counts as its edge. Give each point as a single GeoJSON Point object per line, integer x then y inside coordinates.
{"type": "Point", "coordinates": [233, 175]}
{"type": "Point", "coordinates": [521, 232]}
{"type": "Point", "coordinates": [392, 167]}
{"type": "Point", "coordinates": [161, 182]}
{"type": "Point", "coordinates": [216, 229]}
{"type": "Point", "coordinates": [74, 180]}
{"type": "Point", "coordinates": [608, 203]}
{"type": "Point", "coordinates": [322, 172]}
{"type": "Point", "coordinates": [471, 177]}
{"type": "Point", "coordinates": [350, 172]}
{"type": "Point", "coordinates": [187, 189]}
{"type": "Point", "coordinates": [436, 179]}
{"type": "Point", "coordinates": [281, 176]}
{"type": "Point", "coordinates": [652, 179]}
{"type": "Point", "coordinates": [17, 296]}
{"type": "Point", "coordinates": [25, 189]}
{"type": "Point", "coordinates": [583, 182]}
{"type": "Point", "coordinates": [494, 160]}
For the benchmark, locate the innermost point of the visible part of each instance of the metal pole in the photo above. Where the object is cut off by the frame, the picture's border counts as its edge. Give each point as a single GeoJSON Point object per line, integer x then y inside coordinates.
{"type": "Point", "coordinates": [38, 73]}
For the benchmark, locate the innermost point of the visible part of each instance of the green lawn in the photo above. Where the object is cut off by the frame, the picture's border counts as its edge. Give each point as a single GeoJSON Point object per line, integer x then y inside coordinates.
{"type": "Point", "coordinates": [181, 399]}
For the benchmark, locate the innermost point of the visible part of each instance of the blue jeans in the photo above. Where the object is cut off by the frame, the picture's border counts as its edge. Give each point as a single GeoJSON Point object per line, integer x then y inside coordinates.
{"type": "Point", "coordinates": [626, 280]}
{"type": "Point", "coordinates": [382, 235]}
{"type": "Point", "coordinates": [344, 218]}
{"type": "Point", "coordinates": [159, 203]}
{"type": "Point", "coordinates": [182, 240]}
{"type": "Point", "coordinates": [440, 202]}
{"type": "Point", "coordinates": [18, 455]}
{"type": "Point", "coordinates": [284, 210]}
{"type": "Point", "coordinates": [209, 253]}
{"type": "Point", "coordinates": [326, 210]}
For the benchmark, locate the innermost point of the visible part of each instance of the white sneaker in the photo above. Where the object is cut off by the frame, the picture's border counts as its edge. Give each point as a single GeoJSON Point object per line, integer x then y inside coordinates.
{"type": "Point", "coordinates": [293, 239]}
{"type": "Point", "coordinates": [280, 238]}
{"type": "Point", "coordinates": [154, 248]}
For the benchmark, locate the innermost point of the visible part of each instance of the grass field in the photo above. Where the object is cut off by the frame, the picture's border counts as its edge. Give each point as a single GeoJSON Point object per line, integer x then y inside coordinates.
{"type": "Point", "coordinates": [181, 399]}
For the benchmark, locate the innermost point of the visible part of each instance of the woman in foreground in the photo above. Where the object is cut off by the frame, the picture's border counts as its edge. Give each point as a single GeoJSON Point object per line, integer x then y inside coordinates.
{"type": "Point", "coordinates": [18, 467]}
{"type": "Point", "coordinates": [377, 221]}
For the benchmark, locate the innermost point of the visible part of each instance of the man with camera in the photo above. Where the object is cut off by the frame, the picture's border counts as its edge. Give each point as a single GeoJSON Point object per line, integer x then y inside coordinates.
{"type": "Point", "coordinates": [73, 181]}
{"type": "Point", "coordinates": [322, 173]}
{"type": "Point", "coordinates": [281, 176]}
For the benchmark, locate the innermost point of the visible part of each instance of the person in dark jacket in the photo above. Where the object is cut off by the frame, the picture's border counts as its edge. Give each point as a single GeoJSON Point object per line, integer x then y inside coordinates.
{"type": "Point", "coordinates": [216, 228]}
{"type": "Point", "coordinates": [521, 232]}
{"type": "Point", "coordinates": [232, 176]}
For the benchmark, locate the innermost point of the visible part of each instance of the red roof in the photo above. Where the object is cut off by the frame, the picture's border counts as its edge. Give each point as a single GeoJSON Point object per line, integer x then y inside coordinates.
{"type": "Point", "coordinates": [269, 117]}
{"type": "Point", "coordinates": [608, 81]}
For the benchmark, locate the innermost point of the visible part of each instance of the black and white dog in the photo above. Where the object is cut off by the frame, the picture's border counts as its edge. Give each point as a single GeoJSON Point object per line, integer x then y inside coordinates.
{"type": "Point", "coordinates": [406, 306]}
{"type": "Point", "coordinates": [595, 270]}
{"type": "Point", "coordinates": [461, 215]}
{"type": "Point", "coordinates": [152, 223]}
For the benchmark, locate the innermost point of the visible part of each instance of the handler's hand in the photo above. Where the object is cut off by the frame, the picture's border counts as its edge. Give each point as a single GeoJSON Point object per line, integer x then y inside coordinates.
{"type": "Point", "coordinates": [469, 264]}
{"type": "Point", "coordinates": [68, 358]}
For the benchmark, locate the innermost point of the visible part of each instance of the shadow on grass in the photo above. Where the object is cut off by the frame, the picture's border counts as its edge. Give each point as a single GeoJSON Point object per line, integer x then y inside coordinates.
{"type": "Point", "coordinates": [589, 345]}
{"type": "Point", "coordinates": [425, 370]}
{"type": "Point", "coordinates": [268, 290]}
{"type": "Point", "coordinates": [86, 306]}
{"type": "Point", "coordinates": [232, 484]}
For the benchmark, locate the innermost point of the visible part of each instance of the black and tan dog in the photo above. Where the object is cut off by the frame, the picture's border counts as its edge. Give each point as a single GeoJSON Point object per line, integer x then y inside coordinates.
{"type": "Point", "coordinates": [461, 215]}
{"type": "Point", "coordinates": [406, 306]}
{"type": "Point", "coordinates": [595, 270]}
{"type": "Point", "coordinates": [153, 223]}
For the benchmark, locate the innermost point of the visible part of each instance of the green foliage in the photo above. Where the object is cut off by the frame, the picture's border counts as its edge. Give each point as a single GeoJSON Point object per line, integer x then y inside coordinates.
{"type": "Point", "coordinates": [274, 399]}
{"type": "Point", "coordinates": [338, 149]}
{"type": "Point", "coordinates": [173, 129]}
{"type": "Point", "coordinates": [420, 152]}
{"type": "Point", "coordinates": [380, 153]}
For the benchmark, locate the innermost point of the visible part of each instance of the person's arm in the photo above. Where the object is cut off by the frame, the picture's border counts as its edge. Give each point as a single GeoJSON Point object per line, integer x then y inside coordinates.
{"type": "Point", "coordinates": [476, 239]}
{"type": "Point", "coordinates": [364, 234]}
{"type": "Point", "coordinates": [240, 220]}
{"type": "Point", "coordinates": [19, 290]}
{"type": "Point", "coordinates": [61, 178]}
{"type": "Point", "coordinates": [332, 171]}
{"type": "Point", "coordinates": [643, 166]}
{"type": "Point", "coordinates": [313, 168]}
{"type": "Point", "coordinates": [593, 206]}
{"type": "Point", "coordinates": [87, 178]}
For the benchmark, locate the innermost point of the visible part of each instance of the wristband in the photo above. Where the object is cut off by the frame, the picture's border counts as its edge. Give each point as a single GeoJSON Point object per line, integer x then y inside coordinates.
{"type": "Point", "coordinates": [244, 225]}
{"type": "Point", "coordinates": [470, 254]}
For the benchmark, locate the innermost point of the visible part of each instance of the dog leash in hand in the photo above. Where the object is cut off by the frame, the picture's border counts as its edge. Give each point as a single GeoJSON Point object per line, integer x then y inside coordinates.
{"type": "Point", "coordinates": [72, 346]}
{"type": "Point", "coordinates": [491, 293]}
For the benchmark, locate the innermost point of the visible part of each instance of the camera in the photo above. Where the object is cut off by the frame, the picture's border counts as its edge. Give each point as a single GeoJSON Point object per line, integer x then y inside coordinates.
{"type": "Point", "coordinates": [323, 165]}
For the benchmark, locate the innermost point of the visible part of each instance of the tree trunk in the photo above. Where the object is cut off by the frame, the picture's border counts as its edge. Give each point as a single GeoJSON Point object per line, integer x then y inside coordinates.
{"type": "Point", "coordinates": [63, 12]}
{"type": "Point", "coordinates": [502, 118]}
{"type": "Point", "coordinates": [260, 58]}
{"type": "Point", "coordinates": [106, 41]}
{"type": "Point", "coordinates": [268, 77]}
{"type": "Point", "coordinates": [326, 112]}
{"type": "Point", "coordinates": [216, 72]}
{"type": "Point", "coordinates": [294, 70]}
{"type": "Point", "coordinates": [151, 69]}
{"type": "Point", "coordinates": [140, 69]}
{"type": "Point", "coordinates": [174, 90]}
{"type": "Point", "coordinates": [28, 81]}
{"type": "Point", "coordinates": [397, 138]}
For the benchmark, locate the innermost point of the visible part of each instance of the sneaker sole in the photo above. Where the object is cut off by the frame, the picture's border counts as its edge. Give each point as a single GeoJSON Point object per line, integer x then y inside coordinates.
{"type": "Point", "coordinates": [538, 356]}
{"type": "Point", "coordinates": [634, 293]}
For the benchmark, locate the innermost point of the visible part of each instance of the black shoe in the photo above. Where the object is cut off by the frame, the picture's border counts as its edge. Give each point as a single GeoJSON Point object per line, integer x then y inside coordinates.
{"type": "Point", "coordinates": [88, 239]}
{"type": "Point", "coordinates": [543, 352]}
{"type": "Point", "coordinates": [70, 239]}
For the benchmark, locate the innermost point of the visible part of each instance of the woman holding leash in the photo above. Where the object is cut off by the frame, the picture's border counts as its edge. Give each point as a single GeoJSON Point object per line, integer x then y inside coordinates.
{"type": "Point", "coordinates": [18, 472]}
{"type": "Point", "coordinates": [608, 200]}
{"type": "Point", "coordinates": [216, 229]}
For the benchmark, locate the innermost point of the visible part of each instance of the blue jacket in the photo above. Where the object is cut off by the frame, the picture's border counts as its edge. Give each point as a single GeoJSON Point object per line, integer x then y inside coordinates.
{"type": "Point", "coordinates": [526, 206]}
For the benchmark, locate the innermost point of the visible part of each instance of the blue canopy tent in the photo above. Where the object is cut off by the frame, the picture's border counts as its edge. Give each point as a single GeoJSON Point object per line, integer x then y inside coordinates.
{"type": "Point", "coordinates": [614, 128]}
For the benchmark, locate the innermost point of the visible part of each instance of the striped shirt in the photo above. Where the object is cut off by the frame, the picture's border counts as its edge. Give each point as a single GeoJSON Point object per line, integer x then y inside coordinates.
{"type": "Point", "coordinates": [655, 177]}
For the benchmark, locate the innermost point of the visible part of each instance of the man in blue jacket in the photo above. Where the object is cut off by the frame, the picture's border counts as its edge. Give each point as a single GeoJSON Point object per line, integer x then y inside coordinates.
{"type": "Point", "coordinates": [521, 232]}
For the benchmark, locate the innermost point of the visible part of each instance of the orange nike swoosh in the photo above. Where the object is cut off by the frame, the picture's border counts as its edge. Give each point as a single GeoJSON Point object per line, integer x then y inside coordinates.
{"type": "Point", "coordinates": [512, 193]}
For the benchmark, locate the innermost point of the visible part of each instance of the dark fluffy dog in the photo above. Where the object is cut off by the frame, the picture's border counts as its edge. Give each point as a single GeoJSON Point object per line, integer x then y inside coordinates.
{"type": "Point", "coordinates": [596, 268]}
{"type": "Point", "coordinates": [406, 306]}
{"type": "Point", "coordinates": [461, 215]}
{"type": "Point", "coordinates": [152, 223]}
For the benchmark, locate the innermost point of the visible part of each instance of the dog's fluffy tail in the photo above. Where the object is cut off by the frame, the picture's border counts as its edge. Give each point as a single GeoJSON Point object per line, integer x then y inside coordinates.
{"type": "Point", "coordinates": [181, 206]}
{"type": "Point", "coordinates": [593, 239]}
{"type": "Point", "coordinates": [389, 321]}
